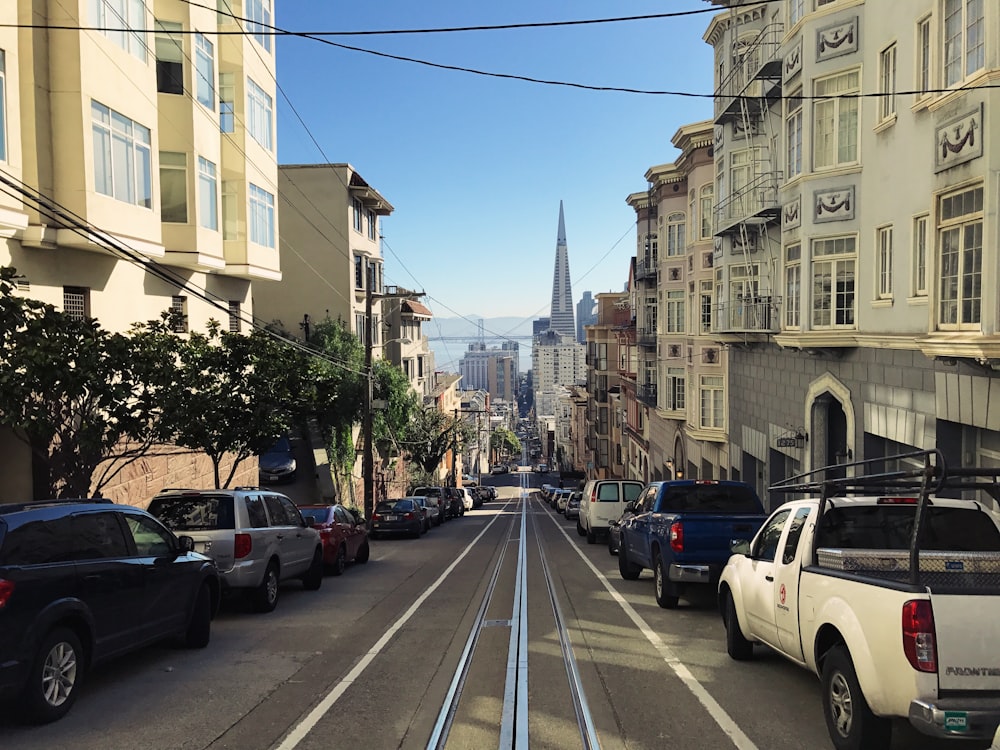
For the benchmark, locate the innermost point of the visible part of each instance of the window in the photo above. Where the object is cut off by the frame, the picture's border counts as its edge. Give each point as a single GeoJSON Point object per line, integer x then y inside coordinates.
{"type": "Point", "coordinates": [964, 39]}
{"type": "Point", "coordinates": [97, 536]}
{"type": "Point", "coordinates": [227, 102]}
{"type": "Point", "coordinates": [173, 187]}
{"type": "Point", "coordinates": [230, 210]}
{"type": "Point", "coordinates": [151, 539]}
{"type": "Point", "coordinates": [169, 58]}
{"type": "Point", "coordinates": [793, 138]}
{"type": "Point", "coordinates": [208, 199]}
{"type": "Point", "coordinates": [359, 326]}
{"type": "Point", "coordinates": [76, 302]}
{"type": "Point", "coordinates": [705, 207]}
{"type": "Point", "coordinates": [178, 314]}
{"type": "Point", "coordinates": [712, 402]}
{"type": "Point", "coordinates": [961, 240]}
{"type": "Point", "coordinates": [836, 121]}
{"type": "Point", "coordinates": [883, 262]}
{"type": "Point", "coordinates": [796, 9]}
{"type": "Point", "coordinates": [652, 251]}
{"type": "Point", "coordinates": [235, 316]}
{"type": "Point", "coordinates": [833, 282]}
{"type": "Point", "coordinates": [3, 105]}
{"type": "Point", "coordinates": [261, 216]}
{"type": "Point", "coordinates": [674, 396]}
{"type": "Point", "coordinates": [793, 286]}
{"type": "Point", "coordinates": [122, 164]}
{"type": "Point", "coordinates": [259, 17]}
{"type": "Point", "coordinates": [359, 213]}
{"type": "Point", "coordinates": [260, 115]}
{"type": "Point", "coordinates": [920, 256]}
{"type": "Point", "coordinates": [359, 272]}
{"type": "Point", "coordinates": [204, 67]}
{"type": "Point", "coordinates": [923, 56]}
{"type": "Point", "coordinates": [372, 225]}
{"type": "Point", "coordinates": [707, 302]}
{"type": "Point", "coordinates": [119, 17]}
{"type": "Point", "coordinates": [765, 546]}
{"type": "Point", "coordinates": [887, 83]}
{"type": "Point", "coordinates": [675, 311]}
{"type": "Point", "coordinates": [675, 234]}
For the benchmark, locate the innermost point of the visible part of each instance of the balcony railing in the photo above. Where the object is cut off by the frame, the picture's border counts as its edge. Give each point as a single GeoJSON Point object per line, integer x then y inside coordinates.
{"type": "Point", "coordinates": [758, 314]}
{"type": "Point", "coordinates": [646, 393]}
{"type": "Point", "coordinates": [645, 268]}
{"type": "Point", "coordinates": [645, 336]}
{"type": "Point", "coordinates": [755, 75]}
{"type": "Point", "coordinates": [757, 201]}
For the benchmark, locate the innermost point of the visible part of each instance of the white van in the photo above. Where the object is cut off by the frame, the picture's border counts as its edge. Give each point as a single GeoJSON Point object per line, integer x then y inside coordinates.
{"type": "Point", "coordinates": [603, 501]}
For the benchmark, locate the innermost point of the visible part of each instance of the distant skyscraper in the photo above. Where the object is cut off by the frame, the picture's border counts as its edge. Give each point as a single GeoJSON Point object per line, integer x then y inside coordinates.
{"type": "Point", "coordinates": [586, 315]}
{"type": "Point", "coordinates": [561, 316]}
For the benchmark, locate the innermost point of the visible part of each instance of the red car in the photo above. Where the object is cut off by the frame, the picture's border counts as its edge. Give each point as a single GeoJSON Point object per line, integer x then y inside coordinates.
{"type": "Point", "coordinates": [344, 535]}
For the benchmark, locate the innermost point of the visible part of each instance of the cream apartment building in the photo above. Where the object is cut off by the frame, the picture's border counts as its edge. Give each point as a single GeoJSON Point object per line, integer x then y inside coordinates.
{"type": "Point", "coordinates": [155, 152]}
{"type": "Point", "coordinates": [861, 230]}
{"type": "Point", "coordinates": [606, 341]}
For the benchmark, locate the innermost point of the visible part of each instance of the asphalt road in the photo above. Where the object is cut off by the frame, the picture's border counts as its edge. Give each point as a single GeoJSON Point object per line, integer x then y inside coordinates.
{"type": "Point", "coordinates": [368, 660]}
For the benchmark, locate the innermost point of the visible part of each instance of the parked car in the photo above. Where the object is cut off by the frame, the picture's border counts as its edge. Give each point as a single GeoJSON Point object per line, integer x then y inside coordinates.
{"type": "Point", "coordinates": [277, 463]}
{"type": "Point", "coordinates": [344, 535]}
{"type": "Point", "coordinates": [82, 581]}
{"type": "Point", "coordinates": [573, 505]}
{"type": "Point", "coordinates": [682, 530]}
{"type": "Point", "coordinates": [398, 516]}
{"type": "Point", "coordinates": [603, 501]}
{"type": "Point", "coordinates": [468, 501]}
{"type": "Point", "coordinates": [615, 529]}
{"type": "Point", "coordinates": [451, 505]}
{"type": "Point", "coordinates": [258, 538]}
{"type": "Point", "coordinates": [432, 511]}
{"type": "Point", "coordinates": [499, 469]}
{"type": "Point", "coordinates": [561, 499]}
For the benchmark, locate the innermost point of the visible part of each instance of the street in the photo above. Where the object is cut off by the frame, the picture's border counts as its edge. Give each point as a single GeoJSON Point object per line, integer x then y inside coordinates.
{"type": "Point", "coordinates": [502, 618]}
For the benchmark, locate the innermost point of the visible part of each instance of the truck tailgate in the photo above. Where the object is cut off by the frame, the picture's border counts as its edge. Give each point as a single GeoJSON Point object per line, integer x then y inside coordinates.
{"type": "Point", "coordinates": [967, 630]}
{"type": "Point", "coordinates": [707, 537]}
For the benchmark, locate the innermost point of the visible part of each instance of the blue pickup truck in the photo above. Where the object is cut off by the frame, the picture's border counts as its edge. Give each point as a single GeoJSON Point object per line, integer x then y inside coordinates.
{"type": "Point", "coordinates": [683, 529]}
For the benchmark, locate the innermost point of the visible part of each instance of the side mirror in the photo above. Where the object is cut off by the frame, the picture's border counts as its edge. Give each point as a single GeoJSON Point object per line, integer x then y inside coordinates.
{"type": "Point", "coordinates": [630, 506]}
{"type": "Point", "coordinates": [740, 547]}
{"type": "Point", "coordinates": [185, 544]}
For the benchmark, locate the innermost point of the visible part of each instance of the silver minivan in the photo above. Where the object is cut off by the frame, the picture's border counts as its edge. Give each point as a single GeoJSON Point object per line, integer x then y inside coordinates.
{"type": "Point", "coordinates": [257, 538]}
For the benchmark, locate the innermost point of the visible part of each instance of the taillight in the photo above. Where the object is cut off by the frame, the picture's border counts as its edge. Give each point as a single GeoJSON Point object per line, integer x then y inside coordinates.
{"type": "Point", "coordinates": [593, 495]}
{"type": "Point", "coordinates": [409, 516]}
{"type": "Point", "coordinates": [6, 589]}
{"type": "Point", "coordinates": [376, 517]}
{"type": "Point", "coordinates": [677, 537]}
{"type": "Point", "coordinates": [918, 635]}
{"type": "Point", "coordinates": [242, 546]}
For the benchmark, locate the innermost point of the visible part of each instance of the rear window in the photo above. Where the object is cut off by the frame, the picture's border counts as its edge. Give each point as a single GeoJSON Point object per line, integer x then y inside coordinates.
{"type": "Point", "coordinates": [194, 513]}
{"type": "Point", "coordinates": [428, 491]}
{"type": "Point", "coordinates": [890, 527]}
{"type": "Point", "coordinates": [711, 498]}
{"type": "Point", "coordinates": [613, 491]}
{"type": "Point", "coordinates": [395, 505]}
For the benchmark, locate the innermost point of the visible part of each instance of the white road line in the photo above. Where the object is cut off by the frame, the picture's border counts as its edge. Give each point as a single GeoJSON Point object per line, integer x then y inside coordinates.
{"type": "Point", "coordinates": [302, 729]}
{"type": "Point", "coordinates": [717, 712]}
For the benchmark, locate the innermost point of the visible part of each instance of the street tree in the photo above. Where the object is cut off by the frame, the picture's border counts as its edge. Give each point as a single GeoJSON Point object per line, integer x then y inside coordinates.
{"type": "Point", "coordinates": [504, 443]}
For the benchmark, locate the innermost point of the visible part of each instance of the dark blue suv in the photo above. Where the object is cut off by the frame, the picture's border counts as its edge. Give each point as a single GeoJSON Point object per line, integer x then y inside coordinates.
{"type": "Point", "coordinates": [82, 581]}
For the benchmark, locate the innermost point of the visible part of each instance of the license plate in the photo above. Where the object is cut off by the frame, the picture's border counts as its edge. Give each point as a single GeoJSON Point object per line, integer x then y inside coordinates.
{"type": "Point", "coordinates": [390, 518]}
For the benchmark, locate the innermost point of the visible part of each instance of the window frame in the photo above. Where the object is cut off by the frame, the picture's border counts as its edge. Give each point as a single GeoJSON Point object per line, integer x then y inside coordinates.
{"type": "Point", "coordinates": [674, 393]}
{"type": "Point", "coordinates": [204, 70]}
{"type": "Point", "coordinates": [919, 243]}
{"type": "Point", "coordinates": [706, 194]}
{"type": "Point", "coordinates": [836, 261]}
{"type": "Point", "coordinates": [883, 262]}
{"type": "Point", "coordinates": [793, 147]}
{"type": "Point", "coordinates": [843, 110]}
{"type": "Point", "coordinates": [259, 15]}
{"type": "Point", "coordinates": [961, 40]}
{"type": "Point", "coordinates": [793, 291]}
{"type": "Point", "coordinates": [358, 208]}
{"type": "Point", "coordinates": [3, 105]}
{"type": "Point", "coordinates": [675, 231]}
{"type": "Point", "coordinates": [960, 224]}
{"type": "Point", "coordinates": [886, 110]}
{"type": "Point", "coordinates": [122, 31]}
{"type": "Point", "coordinates": [173, 169]}
{"type": "Point", "coordinates": [712, 402]}
{"type": "Point", "coordinates": [262, 216]}
{"type": "Point", "coordinates": [924, 58]}
{"type": "Point", "coordinates": [208, 194]}
{"type": "Point", "coordinates": [76, 302]}
{"type": "Point", "coordinates": [674, 304]}
{"type": "Point", "coordinates": [166, 47]}
{"type": "Point", "coordinates": [260, 115]}
{"type": "Point", "coordinates": [113, 132]}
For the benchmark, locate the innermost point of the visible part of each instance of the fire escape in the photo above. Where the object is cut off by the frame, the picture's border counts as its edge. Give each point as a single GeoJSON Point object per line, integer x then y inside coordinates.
{"type": "Point", "coordinates": [647, 270]}
{"type": "Point", "coordinates": [747, 217]}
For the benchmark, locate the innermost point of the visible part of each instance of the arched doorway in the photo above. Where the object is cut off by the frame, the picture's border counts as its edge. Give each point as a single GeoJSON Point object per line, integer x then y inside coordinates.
{"type": "Point", "coordinates": [830, 416]}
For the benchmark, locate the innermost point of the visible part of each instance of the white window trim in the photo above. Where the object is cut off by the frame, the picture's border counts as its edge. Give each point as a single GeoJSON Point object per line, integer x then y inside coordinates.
{"type": "Point", "coordinates": [262, 217]}
{"type": "Point", "coordinates": [920, 246]}
{"type": "Point", "coordinates": [833, 259]}
{"type": "Point", "coordinates": [838, 103]}
{"type": "Point", "coordinates": [959, 222]}
{"type": "Point", "coordinates": [883, 262]}
{"type": "Point", "coordinates": [887, 64]}
{"type": "Point", "coordinates": [260, 115]}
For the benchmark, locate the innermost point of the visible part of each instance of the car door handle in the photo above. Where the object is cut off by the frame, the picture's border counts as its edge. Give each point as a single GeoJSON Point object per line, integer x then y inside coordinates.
{"type": "Point", "coordinates": [769, 578]}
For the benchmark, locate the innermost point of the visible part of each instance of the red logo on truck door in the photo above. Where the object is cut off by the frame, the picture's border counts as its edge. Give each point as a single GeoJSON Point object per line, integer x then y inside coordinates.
{"type": "Point", "coordinates": [781, 593]}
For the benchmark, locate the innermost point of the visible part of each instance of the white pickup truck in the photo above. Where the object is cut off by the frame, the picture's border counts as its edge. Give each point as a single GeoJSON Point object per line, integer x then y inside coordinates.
{"type": "Point", "coordinates": [843, 598]}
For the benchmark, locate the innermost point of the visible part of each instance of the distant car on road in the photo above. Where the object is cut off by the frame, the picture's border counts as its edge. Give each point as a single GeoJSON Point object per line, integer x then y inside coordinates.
{"type": "Point", "coordinates": [344, 535]}
{"type": "Point", "coordinates": [398, 516]}
{"type": "Point", "coordinates": [277, 463]}
{"type": "Point", "coordinates": [499, 469]}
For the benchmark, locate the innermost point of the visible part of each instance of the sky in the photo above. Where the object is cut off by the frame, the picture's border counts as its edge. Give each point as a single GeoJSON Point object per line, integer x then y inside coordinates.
{"type": "Point", "coordinates": [475, 166]}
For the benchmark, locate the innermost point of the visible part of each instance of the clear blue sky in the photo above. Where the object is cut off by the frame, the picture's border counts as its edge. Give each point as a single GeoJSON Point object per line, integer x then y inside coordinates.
{"type": "Point", "coordinates": [476, 166]}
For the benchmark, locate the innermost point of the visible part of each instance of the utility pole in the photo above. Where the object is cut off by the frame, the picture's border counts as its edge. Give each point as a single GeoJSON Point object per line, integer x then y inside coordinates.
{"type": "Point", "coordinates": [454, 451]}
{"type": "Point", "coordinates": [368, 460]}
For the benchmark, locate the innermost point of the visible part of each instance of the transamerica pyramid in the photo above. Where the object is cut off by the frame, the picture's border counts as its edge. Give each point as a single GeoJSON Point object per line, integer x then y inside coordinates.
{"type": "Point", "coordinates": [561, 318]}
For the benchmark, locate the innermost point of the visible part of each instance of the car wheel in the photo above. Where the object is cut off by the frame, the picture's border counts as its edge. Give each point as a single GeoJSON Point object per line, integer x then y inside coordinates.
{"type": "Point", "coordinates": [199, 629]}
{"type": "Point", "coordinates": [55, 677]}
{"type": "Point", "coordinates": [363, 553]}
{"type": "Point", "coordinates": [628, 571]}
{"type": "Point", "coordinates": [849, 720]}
{"type": "Point", "coordinates": [313, 577]}
{"type": "Point", "coordinates": [738, 646]}
{"type": "Point", "coordinates": [591, 537]}
{"type": "Point", "coordinates": [612, 547]}
{"type": "Point", "coordinates": [265, 596]}
{"type": "Point", "coordinates": [666, 591]}
{"type": "Point", "coordinates": [579, 528]}
{"type": "Point", "coordinates": [340, 562]}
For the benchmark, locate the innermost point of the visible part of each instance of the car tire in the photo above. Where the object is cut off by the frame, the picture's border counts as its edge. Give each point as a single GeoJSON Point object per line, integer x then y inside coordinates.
{"type": "Point", "coordinates": [591, 536]}
{"type": "Point", "coordinates": [364, 552]}
{"type": "Point", "coordinates": [313, 578]}
{"type": "Point", "coordinates": [849, 719]}
{"type": "Point", "coordinates": [612, 549]}
{"type": "Point", "coordinates": [579, 528]}
{"type": "Point", "coordinates": [199, 629]}
{"type": "Point", "coordinates": [667, 595]}
{"type": "Point", "coordinates": [55, 677]}
{"type": "Point", "coordinates": [628, 570]}
{"type": "Point", "coordinates": [265, 596]}
{"type": "Point", "coordinates": [339, 562]}
{"type": "Point", "coordinates": [738, 646]}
